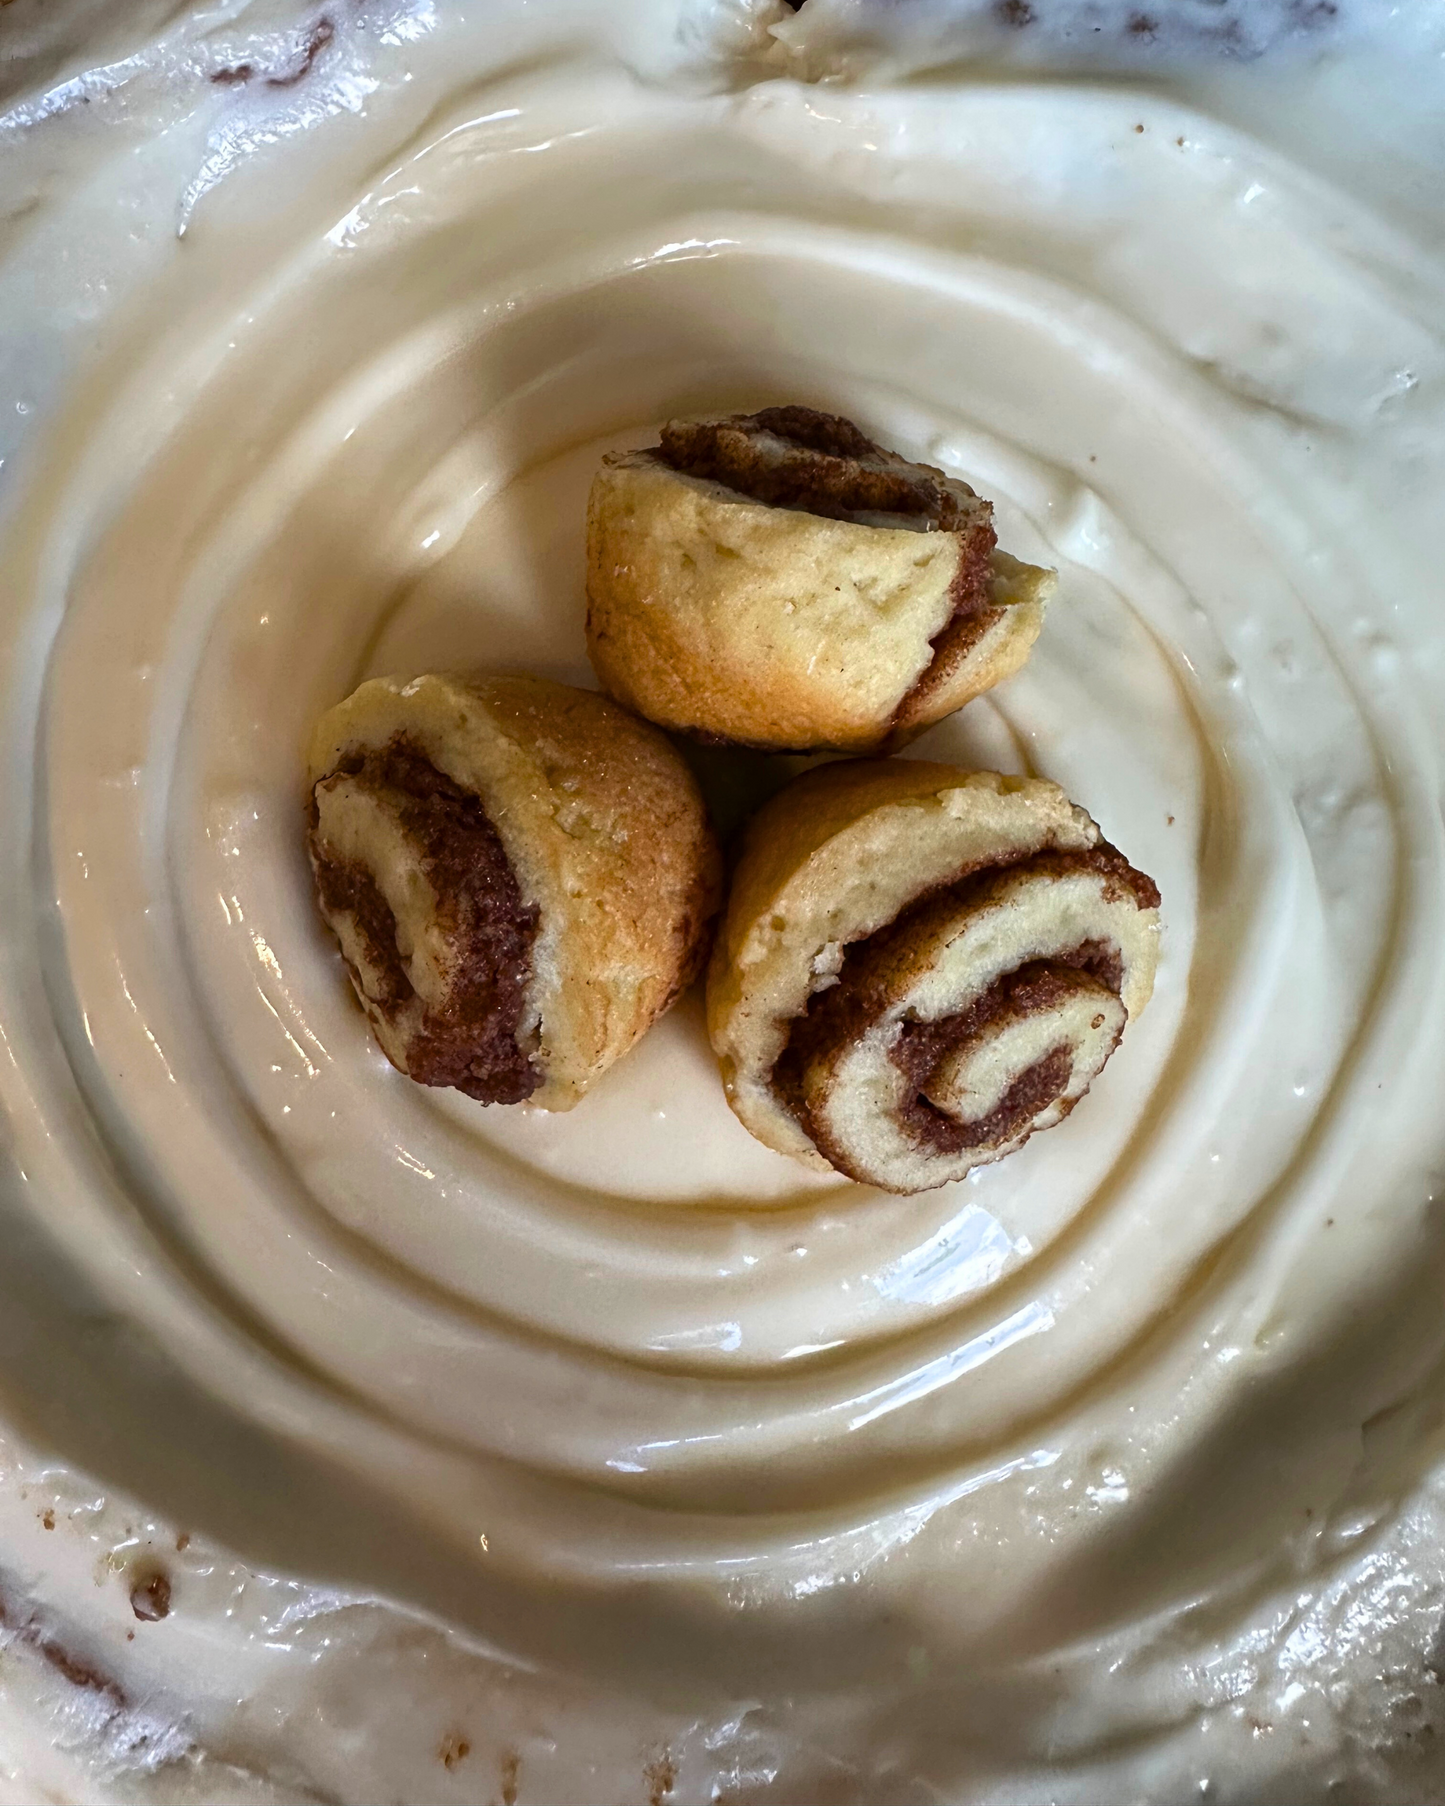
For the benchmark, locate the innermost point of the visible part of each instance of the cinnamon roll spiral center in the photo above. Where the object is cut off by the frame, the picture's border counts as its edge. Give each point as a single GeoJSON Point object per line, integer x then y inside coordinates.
{"type": "Point", "coordinates": [980, 1078]}
{"type": "Point", "coordinates": [980, 1015]}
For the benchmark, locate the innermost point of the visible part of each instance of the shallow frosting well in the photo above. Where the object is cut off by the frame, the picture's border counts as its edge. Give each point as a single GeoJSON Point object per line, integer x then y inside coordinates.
{"type": "Point", "coordinates": [490, 1454]}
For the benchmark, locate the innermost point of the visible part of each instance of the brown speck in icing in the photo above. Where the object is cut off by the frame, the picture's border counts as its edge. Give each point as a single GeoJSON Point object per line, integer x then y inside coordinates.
{"type": "Point", "coordinates": [235, 75]}
{"type": "Point", "coordinates": [322, 33]}
{"type": "Point", "coordinates": [661, 1778]}
{"type": "Point", "coordinates": [79, 1673]}
{"type": "Point", "coordinates": [511, 1770]}
{"type": "Point", "coordinates": [454, 1750]}
{"type": "Point", "coordinates": [150, 1596]}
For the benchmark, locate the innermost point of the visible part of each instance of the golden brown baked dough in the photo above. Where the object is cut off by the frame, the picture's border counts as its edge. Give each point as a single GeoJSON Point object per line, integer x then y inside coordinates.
{"type": "Point", "coordinates": [780, 581]}
{"type": "Point", "coordinates": [519, 873]}
{"type": "Point", "coordinates": [919, 967]}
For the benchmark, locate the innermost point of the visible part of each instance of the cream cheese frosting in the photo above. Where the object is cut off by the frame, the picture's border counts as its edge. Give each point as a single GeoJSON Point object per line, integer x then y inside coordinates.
{"type": "Point", "coordinates": [487, 1454]}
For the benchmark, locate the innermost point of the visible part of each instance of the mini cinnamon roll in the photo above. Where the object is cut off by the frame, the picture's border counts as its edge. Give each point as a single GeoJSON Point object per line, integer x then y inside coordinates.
{"type": "Point", "coordinates": [779, 581]}
{"type": "Point", "coordinates": [519, 874]}
{"type": "Point", "coordinates": [919, 968]}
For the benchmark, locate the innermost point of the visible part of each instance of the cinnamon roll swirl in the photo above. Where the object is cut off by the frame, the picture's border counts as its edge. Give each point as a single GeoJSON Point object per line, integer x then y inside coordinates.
{"type": "Point", "coordinates": [919, 968]}
{"type": "Point", "coordinates": [519, 874]}
{"type": "Point", "coordinates": [779, 581]}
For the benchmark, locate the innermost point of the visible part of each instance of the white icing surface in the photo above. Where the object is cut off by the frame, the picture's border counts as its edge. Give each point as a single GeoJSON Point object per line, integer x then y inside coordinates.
{"type": "Point", "coordinates": [610, 1445]}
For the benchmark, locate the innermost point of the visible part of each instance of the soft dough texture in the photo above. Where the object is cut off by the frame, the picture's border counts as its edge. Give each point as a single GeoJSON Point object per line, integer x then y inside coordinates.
{"type": "Point", "coordinates": [920, 967]}
{"type": "Point", "coordinates": [520, 876]}
{"type": "Point", "coordinates": [778, 580]}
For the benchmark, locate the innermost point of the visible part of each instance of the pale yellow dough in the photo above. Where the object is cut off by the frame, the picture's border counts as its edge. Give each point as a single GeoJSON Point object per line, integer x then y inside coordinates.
{"type": "Point", "coordinates": [714, 614]}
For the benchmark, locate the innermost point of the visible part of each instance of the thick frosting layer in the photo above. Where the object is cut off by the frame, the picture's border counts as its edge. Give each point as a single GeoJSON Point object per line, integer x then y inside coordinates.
{"type": "Point", "coordinates": [616, 1456]}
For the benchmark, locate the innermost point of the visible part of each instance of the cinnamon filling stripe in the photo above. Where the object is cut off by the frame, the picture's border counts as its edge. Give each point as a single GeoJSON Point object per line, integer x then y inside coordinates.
{"type": "Point", "coordinates": [346, 888]}
{"type": "Point", "coordinates": [469, 1039]}
{"type": "Point", "coordinates": [795, 457]}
